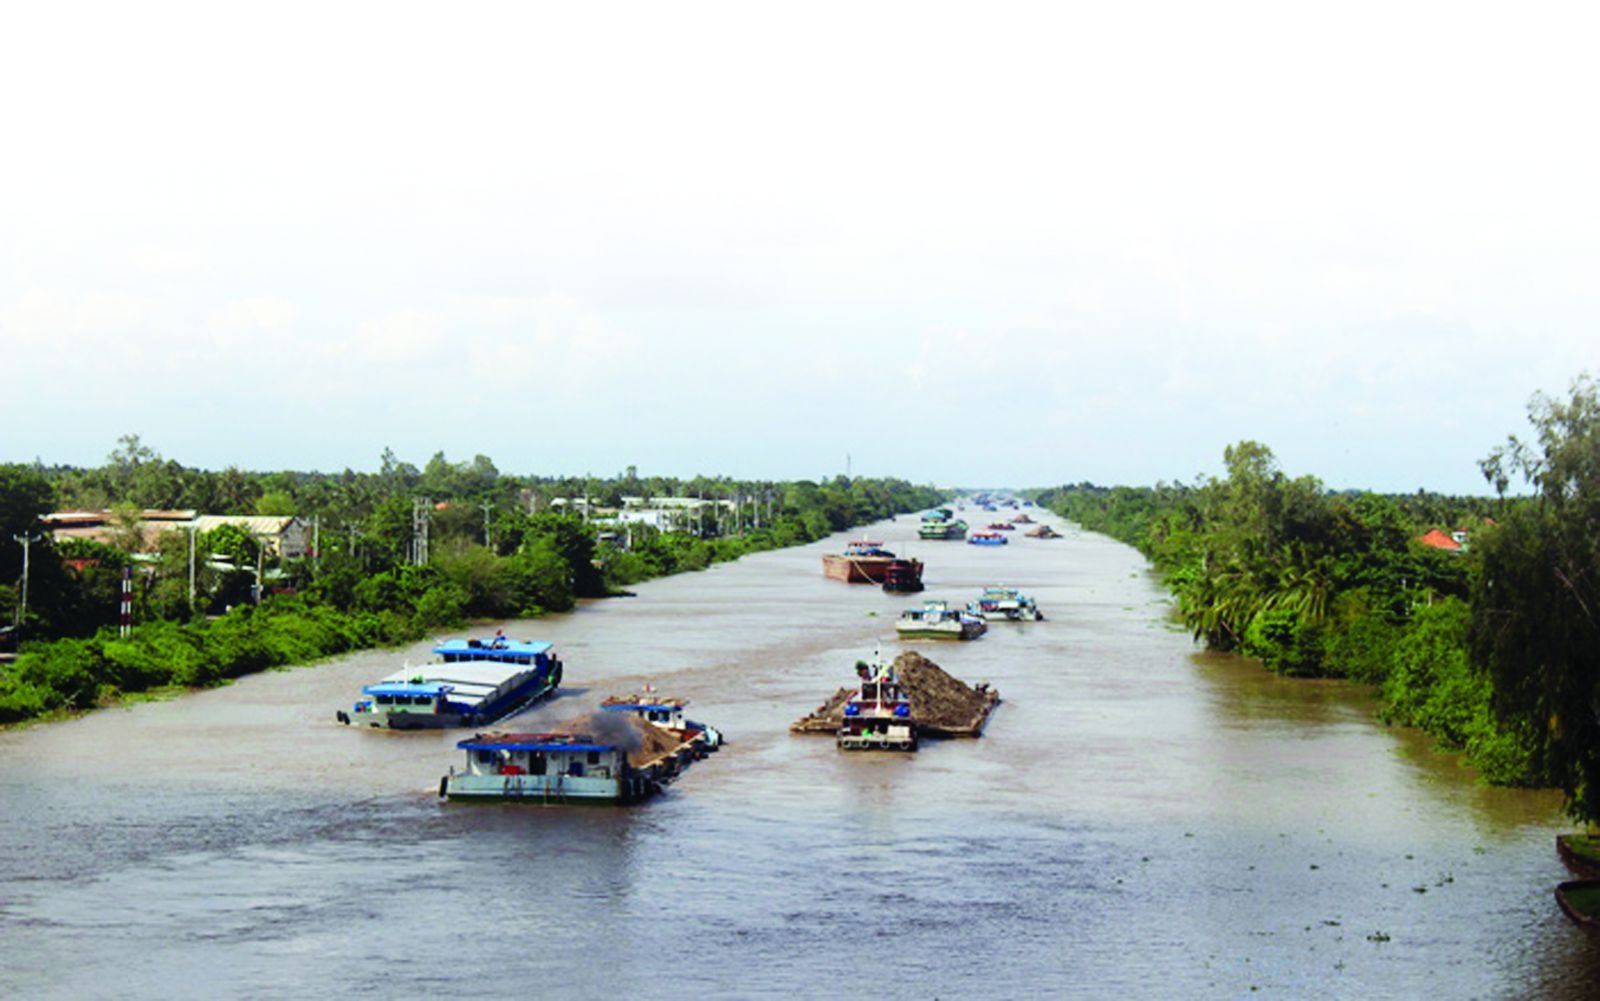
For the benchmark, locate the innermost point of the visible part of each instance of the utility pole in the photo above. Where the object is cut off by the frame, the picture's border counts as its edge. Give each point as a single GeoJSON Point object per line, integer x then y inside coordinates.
{"type": "Point", "coordinates": [316, 542]}
{"type": "Point", "coordinates": [26, 540]}
{"type": "Point", "coordinates": [419, 531]}
{"type": "Point", "coordinates": [192, 526]}
{"type": "Point", "coordinates": [125, 609]}
{"type": "Point", "coordinates": [487, 507]}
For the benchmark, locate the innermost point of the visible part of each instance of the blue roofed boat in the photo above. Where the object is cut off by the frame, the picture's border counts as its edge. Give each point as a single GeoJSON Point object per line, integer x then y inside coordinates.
{"type": "Point", "coordinates": [473, 683]}
{"type": "Point", "coordinates": [547, 768]}
{"type": "Point", "coordinates": [607, 757]}
{"type": "Point", "coordinates": [667, 713]}
{"type": "Point", "coordinates": [1005, 603]}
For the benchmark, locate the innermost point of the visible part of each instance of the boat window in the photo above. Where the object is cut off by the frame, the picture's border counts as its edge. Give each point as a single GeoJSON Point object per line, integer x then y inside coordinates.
{"type": "Point", "coordinates": [384, 700]}
{"type": "Point", "coordinates": [485, 757]}
{"type": "Point", "coordinates": [538, 764]}
{"type": "Point", "coordinates": [575, 769]}
{"type": "Point", "coordinates": [594, 757]}
{"type": "Point", "coordinates": [524, 660]}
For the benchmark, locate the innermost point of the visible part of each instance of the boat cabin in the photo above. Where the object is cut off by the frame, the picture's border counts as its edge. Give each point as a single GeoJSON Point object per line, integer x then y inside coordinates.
{"type": "Point", "coordinates": [497, 650]}
{"type": "Point", "coordinates": [662, 712]}
{"type": "Point", "coordinates": [543, 754]}
{"type": "Point", "coordinates": [866, 547]}
{"type": "Point", "coordinates": [878, 715]}
{"type": "Point", "coordinates": [407, 697]}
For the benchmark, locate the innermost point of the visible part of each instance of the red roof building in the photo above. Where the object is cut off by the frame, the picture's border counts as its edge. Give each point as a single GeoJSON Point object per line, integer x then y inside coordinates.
{"type": "Point", "coordinates": [1440, 540]}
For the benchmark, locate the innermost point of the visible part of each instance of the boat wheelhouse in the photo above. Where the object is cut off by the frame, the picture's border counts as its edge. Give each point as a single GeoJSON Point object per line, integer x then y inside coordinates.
{"type": "Point", "coordinates": [667, 714]}
{"type": "Point", "coordinates": [877, 716]}
{"type": "Point", "coordinates": [473, 683]}
{"type": "Point", "coordinates": [1005, 603]}
{"type": "Point", "coordinates": [937, 620]}
{"type": "Point", "coordinates": [546, 768]}
{"type": "Point", "coordinates": [987, 539]}
{"type": "Point", "coordinates": [863, 562]}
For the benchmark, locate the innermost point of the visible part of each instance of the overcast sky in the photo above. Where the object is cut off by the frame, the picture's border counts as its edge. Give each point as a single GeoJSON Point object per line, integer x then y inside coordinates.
{"type": "Point", "coordinates": [979, 244]}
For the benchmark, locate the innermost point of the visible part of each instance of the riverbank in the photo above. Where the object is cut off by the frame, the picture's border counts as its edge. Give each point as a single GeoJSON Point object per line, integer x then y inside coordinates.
{"type": "Point", "coordinates": [68, 677]}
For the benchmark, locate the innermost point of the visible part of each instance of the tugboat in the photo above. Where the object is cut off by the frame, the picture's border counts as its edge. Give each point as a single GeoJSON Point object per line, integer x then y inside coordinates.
{"type": "Point", "coordinates": [474, 683]}
{"type": "Point", "coordinates": [1005, 603]}
{"type": "Point", "coordinates": [863, 562]}
{"type": "Point", "coordinates": [902, 577]}
{"type": "Point", "coordinates": [878, 715]}
{"type": "Point", "coordinates": [937, 620]}
{"type": "Point", "coordinates": [667, 714]}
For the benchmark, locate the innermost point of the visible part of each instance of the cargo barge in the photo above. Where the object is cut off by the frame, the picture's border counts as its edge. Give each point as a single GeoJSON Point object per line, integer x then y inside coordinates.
{"type": "Point", "coordinates": [474, 683]}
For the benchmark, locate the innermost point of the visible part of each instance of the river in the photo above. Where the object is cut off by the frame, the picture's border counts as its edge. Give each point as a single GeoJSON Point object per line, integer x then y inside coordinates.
{"type": "Point", "coordinates": [1140, 820]}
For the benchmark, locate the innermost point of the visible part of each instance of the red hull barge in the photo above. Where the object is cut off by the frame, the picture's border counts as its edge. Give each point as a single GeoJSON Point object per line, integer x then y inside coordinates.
{"type": "Point", "coordinates": [866, 562]}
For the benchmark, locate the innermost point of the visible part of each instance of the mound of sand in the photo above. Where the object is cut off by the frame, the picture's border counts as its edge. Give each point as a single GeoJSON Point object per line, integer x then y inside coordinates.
{"type": "Point", "coordinates": [938, 701]}
{"type": "Point", "coordinates": [645, 742]}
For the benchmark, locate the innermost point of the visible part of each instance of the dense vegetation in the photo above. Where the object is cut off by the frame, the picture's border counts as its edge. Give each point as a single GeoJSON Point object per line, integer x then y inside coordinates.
{"type": "Point", "coordinates": [1494, 649]}
{"type": "Point", "coordinates": [497, 547]}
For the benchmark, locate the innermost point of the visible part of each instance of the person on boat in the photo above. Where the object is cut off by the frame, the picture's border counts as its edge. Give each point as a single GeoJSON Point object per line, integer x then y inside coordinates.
{"type": "Point", "coordinates": [499, 639]}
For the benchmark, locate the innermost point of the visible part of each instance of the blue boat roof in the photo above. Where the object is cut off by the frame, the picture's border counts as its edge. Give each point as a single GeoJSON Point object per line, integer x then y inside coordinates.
{"type": "Point", "coordinates": [492, 648]}
{"type": "Point", "coordinates": [635, 706]}
{"type": "Point", "coordinates": [408, 688]}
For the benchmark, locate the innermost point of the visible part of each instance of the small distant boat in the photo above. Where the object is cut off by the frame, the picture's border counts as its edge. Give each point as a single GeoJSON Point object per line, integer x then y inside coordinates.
{"type": "Point", "coordinates": [1043, 532]}
{"type": "Point", "coordinates": [941, 523]}
{"type": "Point", "coordinates": [902, 577]}
{"type": "Point", "coordinates": [937, 620]}
{"type": "Point", "coordinates": [1022, 519]}
{"type": "Point", "coordinates": [987, 539]}
{"type": "Point", "coordinates": [863, 562]}
{"type": "Point", "coordinates": [1005, 603]}
{"type": "Point", "coordinates": [474, 683]}
{"type": "Point", "coordinates": [1002, 526]}
{"type": "Point", "coordinates": [877, 716]}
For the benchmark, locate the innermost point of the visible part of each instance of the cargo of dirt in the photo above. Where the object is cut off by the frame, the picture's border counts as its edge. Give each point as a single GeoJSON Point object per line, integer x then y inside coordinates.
{"type": "Point", "coordinates": [941, 705]}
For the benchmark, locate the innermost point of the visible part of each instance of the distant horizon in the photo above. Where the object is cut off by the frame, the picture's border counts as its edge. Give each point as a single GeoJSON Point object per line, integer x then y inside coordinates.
{"type": "Point", "coordinates": [645, 474]}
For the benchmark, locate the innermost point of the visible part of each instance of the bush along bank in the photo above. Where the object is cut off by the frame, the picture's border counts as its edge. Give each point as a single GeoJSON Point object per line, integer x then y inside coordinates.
{"type": "Point", "coordinates": [1321, 584]}
{"type": "Point", "coordinates": [360, 593]}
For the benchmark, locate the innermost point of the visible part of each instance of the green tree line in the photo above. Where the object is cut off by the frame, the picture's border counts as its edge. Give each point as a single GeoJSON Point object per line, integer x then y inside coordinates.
{"type": "Point", "coordinates": [499, 546]}
{"type": "Point", "coordinates": [1495, 649]}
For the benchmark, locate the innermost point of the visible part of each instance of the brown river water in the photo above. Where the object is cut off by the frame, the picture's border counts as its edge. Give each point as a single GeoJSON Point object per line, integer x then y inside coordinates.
{"type": "Point", "coordinates": [1140, 820]}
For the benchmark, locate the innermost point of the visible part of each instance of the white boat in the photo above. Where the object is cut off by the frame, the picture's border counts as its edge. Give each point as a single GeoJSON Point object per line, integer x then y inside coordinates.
{"type": "Point", "coordinates": [877, 716]}
{"type": "Point", "coordinates": [473, 683]}
{"type": "Point", "coordinates": [937, 620]}
{"type": "Point", "coordinates": [1005, 603]}
{"type": "Point", "coordinates": [666, 713]}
